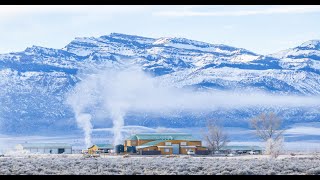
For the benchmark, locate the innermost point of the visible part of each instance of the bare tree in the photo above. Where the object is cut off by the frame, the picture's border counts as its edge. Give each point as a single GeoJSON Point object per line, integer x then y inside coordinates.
{"type": "Point", "coordinates": [274, 147]}
{"type": "Point", "coordinates": [215, 136]}
{"type": "Point", "coordinates": [267, 126]}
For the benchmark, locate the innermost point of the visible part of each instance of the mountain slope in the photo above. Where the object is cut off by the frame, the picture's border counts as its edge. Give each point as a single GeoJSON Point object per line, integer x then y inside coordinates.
{"type": "Point", "coordinates": [34, 82]}
{"type": "Point", "coordinates": [304, 57]}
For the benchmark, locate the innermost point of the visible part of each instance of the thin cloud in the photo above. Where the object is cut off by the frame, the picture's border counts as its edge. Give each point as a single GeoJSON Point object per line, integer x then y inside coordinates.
{"type": "Point", "coordinates": [17, 10]}
{"type": "Point", "coordinates": [264, 11]}
{"type": "Point", "coordinates": [304, 130]}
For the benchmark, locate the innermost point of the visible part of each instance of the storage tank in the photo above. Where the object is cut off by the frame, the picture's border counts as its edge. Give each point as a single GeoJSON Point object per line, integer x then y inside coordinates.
{"type": "Point", "coordinates": [119, 148]}
{"type": "Point", "coordinates": [131, 149]}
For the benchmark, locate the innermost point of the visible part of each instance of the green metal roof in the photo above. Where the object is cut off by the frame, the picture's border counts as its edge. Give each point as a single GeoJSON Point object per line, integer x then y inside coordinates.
{"type": "Point", "coordinates": [241, 148]}
{"type": "Point", "coordinates": [152, 143]}
{"type": "Point", "coordinates": [162, 136]}
{"type": "Point", "coordinates": [134, 137]}
{"type": "Point", "coordinates": [105, 146]}
{"type": "Point", "coordinates": [46, 145]}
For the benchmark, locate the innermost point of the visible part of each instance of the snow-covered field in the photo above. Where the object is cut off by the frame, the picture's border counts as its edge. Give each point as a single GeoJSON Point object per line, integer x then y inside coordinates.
{"type": "Point", "coordinates": [161, 165]}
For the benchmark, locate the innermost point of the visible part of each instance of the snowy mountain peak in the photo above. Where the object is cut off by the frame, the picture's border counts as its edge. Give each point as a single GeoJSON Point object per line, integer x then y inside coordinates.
{"type": "Point", "coordinates": [127, 36]}
{"type": "Point", "coordinates": [312, 44]}
{"type": "Point", "coordinates": [34, 47]}
{"type": "Point", "coordinates": [39, 50]}
{"type": "Point", "coordinates": [309, 50]}
{"type": "Point", "coordinates": [185, 41]}
{"type": "Point", "coordinates": [163, 40]}
{"type": "Point", "coordinates": [187, 44]}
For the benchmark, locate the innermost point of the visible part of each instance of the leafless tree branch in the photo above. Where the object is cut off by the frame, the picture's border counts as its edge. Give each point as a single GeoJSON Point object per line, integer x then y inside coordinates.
{"type": "Point", "coordinates": [267, 126]}
{"type": "Point", "coordinates": [215, 136]}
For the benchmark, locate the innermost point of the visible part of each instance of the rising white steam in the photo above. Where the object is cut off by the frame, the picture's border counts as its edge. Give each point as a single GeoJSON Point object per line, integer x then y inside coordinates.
{"type": "Point", "coordinates": [80, 99]}
{"type": "Point", "coordinates": [112, 93]}
{"type": "Point", "coordinates": [84, 122]}
{"type": "Point", "coordinates": [117, 115]}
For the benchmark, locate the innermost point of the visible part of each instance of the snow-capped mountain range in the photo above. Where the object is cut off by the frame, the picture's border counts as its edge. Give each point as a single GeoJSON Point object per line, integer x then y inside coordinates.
{"type": "Point", "coordinates": [33, 82]}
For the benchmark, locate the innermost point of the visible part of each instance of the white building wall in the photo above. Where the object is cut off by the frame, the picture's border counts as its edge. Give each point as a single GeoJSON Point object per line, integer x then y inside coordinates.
{"type": "Point", "coordinates": [54, 151]}
{"type": "Point", "coordinates": [41, 151]}
{"type": "Point", "coordinates": [68, 151]}
{"type": "Point", "coordinates": [47, 150]}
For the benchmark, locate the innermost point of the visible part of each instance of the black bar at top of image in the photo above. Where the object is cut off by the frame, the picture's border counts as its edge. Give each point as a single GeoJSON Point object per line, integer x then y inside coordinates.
{"type": "Point", "coordinates": [159, 2]}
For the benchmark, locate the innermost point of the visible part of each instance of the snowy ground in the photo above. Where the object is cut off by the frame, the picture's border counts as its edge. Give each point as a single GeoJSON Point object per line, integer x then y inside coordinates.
{"type": "Point", "coordinates": [146, 165]}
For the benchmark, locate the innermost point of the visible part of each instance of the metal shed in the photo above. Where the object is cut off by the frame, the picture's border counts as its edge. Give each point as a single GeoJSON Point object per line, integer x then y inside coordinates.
{"type": "Point", "coordinates": [105, 148]}
{"type": "Point", "coordinates": [48, 148]}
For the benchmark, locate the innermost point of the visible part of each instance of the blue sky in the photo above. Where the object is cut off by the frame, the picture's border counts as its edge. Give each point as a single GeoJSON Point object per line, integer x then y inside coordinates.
{"type": "Point", "coordinates": [261, 29]}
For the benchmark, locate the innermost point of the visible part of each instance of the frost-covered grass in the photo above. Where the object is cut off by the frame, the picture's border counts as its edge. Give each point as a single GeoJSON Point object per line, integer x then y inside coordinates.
{"type": "Point", "coordinates": [183, 165]}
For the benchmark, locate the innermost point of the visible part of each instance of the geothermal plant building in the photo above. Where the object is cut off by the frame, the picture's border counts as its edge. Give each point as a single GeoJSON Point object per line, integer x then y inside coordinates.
{"type": "Point", "coordinates": [163, 143]}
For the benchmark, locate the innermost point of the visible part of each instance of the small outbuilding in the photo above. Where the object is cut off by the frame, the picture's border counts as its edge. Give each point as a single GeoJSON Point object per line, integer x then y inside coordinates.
{"type": "Point", "coordinates": [100, 148]}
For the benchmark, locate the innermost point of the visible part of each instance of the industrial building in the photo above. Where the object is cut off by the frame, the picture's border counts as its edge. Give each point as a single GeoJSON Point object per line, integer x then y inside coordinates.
{"type": "Point", "coordinates": [47, 148]}
{"type": "Point", "coordinates": [163, 143]}
{"type": "Point", "coordinates": [101, 148]}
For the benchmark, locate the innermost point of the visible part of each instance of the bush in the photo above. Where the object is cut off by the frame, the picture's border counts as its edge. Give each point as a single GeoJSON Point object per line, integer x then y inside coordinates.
{"type": "Point", "coordinates": [314, 171]}
{"type": "Point", "coordinates": [158, 165]}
